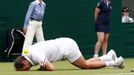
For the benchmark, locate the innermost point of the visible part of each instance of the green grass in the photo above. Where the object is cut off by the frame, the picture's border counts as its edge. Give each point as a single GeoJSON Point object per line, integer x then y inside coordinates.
{"type": "Point", "coordinates": [65, 68]}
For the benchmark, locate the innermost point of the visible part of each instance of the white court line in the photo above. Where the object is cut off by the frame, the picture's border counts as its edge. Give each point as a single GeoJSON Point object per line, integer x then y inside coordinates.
{"type": "Point", "coordinates": [119, 74]}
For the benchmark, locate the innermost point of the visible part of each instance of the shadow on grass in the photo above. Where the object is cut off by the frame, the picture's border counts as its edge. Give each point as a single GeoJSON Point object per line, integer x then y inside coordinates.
{"type": "Point", "coordinates": [63, 69]}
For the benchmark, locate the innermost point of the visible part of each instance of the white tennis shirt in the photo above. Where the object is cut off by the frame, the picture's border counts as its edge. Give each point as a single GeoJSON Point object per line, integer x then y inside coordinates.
{"type": "Point", "coordinates": [52, 50]}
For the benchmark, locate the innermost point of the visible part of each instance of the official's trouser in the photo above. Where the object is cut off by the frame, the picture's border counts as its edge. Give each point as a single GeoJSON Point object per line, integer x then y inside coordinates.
{"type": "Point", "coordinates": [34, 28]}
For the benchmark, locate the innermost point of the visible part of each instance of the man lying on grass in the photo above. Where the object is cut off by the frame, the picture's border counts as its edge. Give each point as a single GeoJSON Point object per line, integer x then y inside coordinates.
{"type": "Point", "coordinates": [43, 53]}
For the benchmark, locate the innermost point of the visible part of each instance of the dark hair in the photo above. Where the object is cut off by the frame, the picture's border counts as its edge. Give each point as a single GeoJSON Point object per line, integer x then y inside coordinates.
{"type": "Point", "coordinates": [18, 63]}
{"type": "Point", "coordinates": [125, 9]}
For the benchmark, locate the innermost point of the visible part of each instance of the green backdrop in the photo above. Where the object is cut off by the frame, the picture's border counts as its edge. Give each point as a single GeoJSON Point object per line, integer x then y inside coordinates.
{"type": "Point", "coordinates": [69, 18]}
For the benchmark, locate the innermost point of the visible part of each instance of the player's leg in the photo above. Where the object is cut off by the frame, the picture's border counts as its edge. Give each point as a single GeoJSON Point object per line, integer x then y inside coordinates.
{"type": "Point", "coordinates": [99, 64]}
{"type": "Point", "coordinates": [102, 58]}
{"type": "Point", "coordinates": [95, 63]}
{"type": "Point", "coordinates": [88, 64]}
{"type": "Point", "coordinates": [105, 43]}
{"type": "Point", "coordinates": [74, 55]}
{"type": "Point", "coordinates": [83, 64]}
{"type": "Point", "coordinates": [94, 59]}
{"type": "Point", "coordinates": [98, 45]}
{"type": "Point", "coordinates": [111, 56]}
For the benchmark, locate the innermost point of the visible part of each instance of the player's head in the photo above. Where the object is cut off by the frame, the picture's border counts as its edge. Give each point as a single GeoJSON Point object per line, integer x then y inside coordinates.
{"type": "Point", "coordinates": [21, 64]}
{"type": "Point", "coordinates": [125, 11]}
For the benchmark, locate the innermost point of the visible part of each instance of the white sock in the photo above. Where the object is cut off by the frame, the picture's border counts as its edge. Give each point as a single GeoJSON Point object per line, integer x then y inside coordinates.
{"type": "Point", "coordinates": [103, 54]}
{"type": "Point", "coordinates": [110, 63]}
{"type": "Point", "coordinates": [105, 58]}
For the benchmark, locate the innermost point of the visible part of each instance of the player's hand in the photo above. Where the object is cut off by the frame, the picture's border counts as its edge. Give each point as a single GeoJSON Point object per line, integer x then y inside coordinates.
{"type": "Point", "coordinates": [42, 69]}
{"type": "Point", "coordinates": [47, 66]}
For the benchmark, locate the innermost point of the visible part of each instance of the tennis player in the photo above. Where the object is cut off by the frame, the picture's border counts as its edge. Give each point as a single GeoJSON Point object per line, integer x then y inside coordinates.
{"type": "Point", "coordinates": [46, 52]}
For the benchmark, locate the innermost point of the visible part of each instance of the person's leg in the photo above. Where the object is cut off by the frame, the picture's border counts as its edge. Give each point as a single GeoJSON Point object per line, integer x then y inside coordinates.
{"type": "Point", "coordinates": [100, 62]}
{"type": "Point", "coordinates": [98, 45]}
{"type": "Point", "coordinates": [105, 43]}
{"type": "Point", "coordinates": [111, 56]}
{"type": "Point", "coordinates": [88, 64]}
{"type": "Point", "coordinates": [83, 64]}
{"type": "Point", "coordinates": [74, 55]}
{"type": "Point", "coordinates": [104, 58]}
{"type": "Point", "coordinates": [94, 59]}
{"type": "Point", "coordinates": [29, 34]}
{"type": "Point", "coordinates": [39, 33]}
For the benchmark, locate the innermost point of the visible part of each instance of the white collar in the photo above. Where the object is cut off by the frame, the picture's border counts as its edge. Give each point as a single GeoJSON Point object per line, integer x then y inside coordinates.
{"type": "Point", "coordinates": [29, 60]}
{"type": "Point", "coordinates": [126, 16]}
{"type": "Point", "coordinates": [39, 2]}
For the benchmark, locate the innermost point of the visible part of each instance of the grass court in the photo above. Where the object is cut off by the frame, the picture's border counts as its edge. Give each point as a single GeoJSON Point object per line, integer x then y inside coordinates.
{"type": "Point", "coordinates": [65, 68]}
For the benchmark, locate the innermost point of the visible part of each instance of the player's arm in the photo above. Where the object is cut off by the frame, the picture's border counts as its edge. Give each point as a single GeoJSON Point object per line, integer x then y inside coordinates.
{"type": "Point", "coordinates": [97, 10]}
{"type": "Point", "coordinates": [47, 66]}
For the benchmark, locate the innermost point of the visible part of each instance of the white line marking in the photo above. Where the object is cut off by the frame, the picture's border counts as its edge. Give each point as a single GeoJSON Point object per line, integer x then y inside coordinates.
{"type": "Point", "coordinates": [119, 74]}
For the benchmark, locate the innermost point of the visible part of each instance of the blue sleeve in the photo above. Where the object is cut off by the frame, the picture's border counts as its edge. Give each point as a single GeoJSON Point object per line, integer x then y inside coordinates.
{"type": "Point", "coordinates": [29, 13]}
